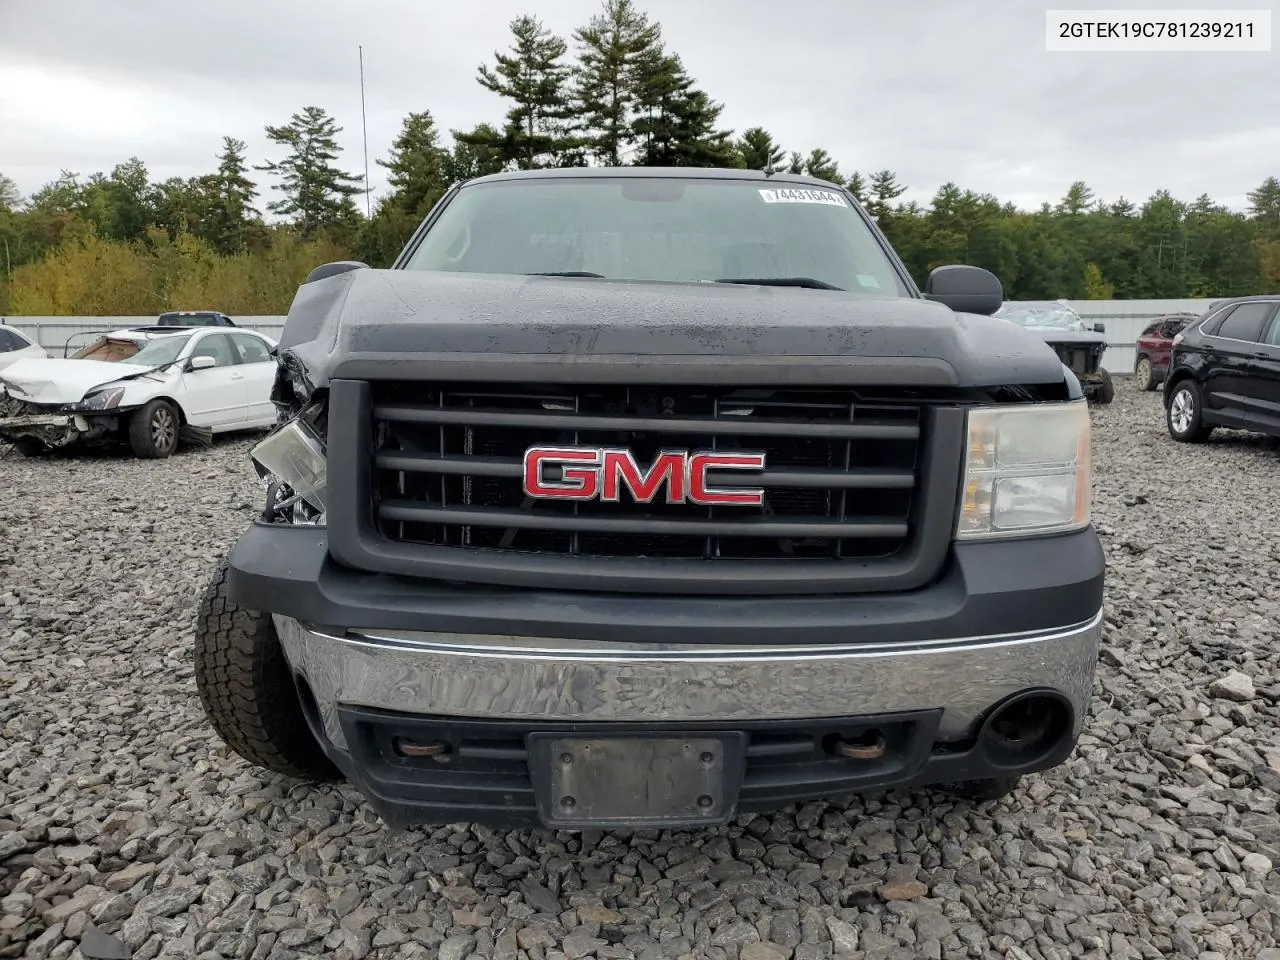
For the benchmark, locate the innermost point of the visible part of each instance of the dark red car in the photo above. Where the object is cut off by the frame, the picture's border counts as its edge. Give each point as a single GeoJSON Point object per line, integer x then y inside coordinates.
{"type": "Point", "coordinates": [1154, 349]}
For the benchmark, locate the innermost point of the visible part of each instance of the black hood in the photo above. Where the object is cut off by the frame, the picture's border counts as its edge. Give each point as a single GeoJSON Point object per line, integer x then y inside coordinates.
{"type": "Point", "coordinates": [399, 324]}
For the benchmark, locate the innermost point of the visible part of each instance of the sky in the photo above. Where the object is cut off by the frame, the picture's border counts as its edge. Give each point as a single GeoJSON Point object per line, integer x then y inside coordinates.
{"type": "Point", "coordinates": [935, 90]}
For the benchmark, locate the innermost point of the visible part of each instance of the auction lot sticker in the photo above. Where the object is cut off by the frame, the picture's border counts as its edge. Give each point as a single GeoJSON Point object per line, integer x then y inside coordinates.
{"type": "Point", "coordinates": [801, 195]}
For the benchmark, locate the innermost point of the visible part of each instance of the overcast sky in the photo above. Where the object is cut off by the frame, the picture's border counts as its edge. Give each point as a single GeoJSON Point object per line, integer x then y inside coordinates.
{"type": "Point", "coordinates": [935, 90]}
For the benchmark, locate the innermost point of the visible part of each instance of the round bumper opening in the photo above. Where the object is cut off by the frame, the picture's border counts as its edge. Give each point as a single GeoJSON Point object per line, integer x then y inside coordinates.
{"type": "Point", "coordinates": [1026, 730]}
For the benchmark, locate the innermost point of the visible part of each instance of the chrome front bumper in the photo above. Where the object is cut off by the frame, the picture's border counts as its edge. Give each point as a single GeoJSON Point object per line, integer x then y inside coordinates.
{"type": "Point", "coordinates": [539, 679]}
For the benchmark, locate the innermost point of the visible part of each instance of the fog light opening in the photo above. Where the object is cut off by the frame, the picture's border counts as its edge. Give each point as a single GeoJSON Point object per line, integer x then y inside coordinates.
{"type": "Point", "coordinates": [866, 746]}
{"type": "Point", "coordinates": [437, 750]}
{"type": "Point", "coordinates": [1025, 730]}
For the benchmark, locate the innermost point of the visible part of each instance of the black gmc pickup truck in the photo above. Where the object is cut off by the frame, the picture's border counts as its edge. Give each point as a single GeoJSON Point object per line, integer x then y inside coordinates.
{"type": "Point", "coordinates": [644, 497]}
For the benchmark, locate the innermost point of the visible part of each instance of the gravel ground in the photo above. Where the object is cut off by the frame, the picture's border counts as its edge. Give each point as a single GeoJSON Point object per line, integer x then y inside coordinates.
{"type": "Point", "coordinates": [122, 815]}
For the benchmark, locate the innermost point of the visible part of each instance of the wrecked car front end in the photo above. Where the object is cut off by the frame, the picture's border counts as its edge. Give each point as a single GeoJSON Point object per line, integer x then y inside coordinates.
{"type": "Point", "coordinates": [55, 426]}
{"type": "Point", "coordinates": [1081, 353]}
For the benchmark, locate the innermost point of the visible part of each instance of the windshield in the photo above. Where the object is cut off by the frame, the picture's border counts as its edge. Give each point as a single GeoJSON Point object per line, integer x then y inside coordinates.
{"type": "Point", "coordinates": [1056, 318]}
{"type": "Point", "coordinates": [154, 353]}
{"type": "Point", "coordinates": [685, 230]}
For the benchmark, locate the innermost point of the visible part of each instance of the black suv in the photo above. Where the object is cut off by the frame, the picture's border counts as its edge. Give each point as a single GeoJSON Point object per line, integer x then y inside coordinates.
{"type": "Point", "coordinates": [1225, 371]}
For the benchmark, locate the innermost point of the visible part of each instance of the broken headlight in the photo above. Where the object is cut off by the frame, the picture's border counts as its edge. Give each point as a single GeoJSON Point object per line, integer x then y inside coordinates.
{"type": "Point", "coordinates": [1027, 471]}
{"type": "Point", "coordinates": [291, 461]}
{"type": "Point", "coordinates": [107, 399]}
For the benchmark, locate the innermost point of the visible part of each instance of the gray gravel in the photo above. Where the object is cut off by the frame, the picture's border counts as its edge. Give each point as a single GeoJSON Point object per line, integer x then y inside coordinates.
{"type": "Point", "coordinates": [124, 820]}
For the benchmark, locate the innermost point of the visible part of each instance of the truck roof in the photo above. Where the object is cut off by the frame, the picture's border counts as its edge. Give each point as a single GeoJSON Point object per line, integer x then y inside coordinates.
{"type": "Point", "coordinates": [700, 173]}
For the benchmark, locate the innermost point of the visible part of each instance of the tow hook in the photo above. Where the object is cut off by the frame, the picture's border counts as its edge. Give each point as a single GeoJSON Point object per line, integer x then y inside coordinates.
{"type": "Point", "coordinates": [870, 747]}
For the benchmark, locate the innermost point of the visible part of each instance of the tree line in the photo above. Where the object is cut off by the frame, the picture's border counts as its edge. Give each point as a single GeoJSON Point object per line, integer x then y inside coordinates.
{"type": "Point", "coordinates": [613, 93]}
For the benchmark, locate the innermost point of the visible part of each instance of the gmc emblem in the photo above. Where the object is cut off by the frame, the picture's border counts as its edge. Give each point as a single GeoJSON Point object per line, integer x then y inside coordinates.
{"type": "Point", "coordinates": [594, 473]}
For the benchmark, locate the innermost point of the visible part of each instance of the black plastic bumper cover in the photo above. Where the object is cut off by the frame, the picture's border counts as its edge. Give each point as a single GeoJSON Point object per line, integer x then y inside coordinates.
{"type": "Point", "coordinates": [986, 589]}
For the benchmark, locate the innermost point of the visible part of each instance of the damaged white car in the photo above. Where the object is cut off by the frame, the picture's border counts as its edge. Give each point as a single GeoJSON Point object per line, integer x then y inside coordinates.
{"type": "Point", "coordinates": [151, 387]}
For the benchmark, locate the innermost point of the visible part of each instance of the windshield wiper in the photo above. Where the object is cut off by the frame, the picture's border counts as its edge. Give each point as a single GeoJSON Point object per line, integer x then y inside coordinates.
{"type": "Point", "coordinates": [808, 282]}
{"type": "Point", "coordinates": [567, 273]}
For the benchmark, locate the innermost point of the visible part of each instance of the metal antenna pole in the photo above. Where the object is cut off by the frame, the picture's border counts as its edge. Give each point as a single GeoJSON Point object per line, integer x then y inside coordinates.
{"type": "Point", "coordinates": [364, 123]}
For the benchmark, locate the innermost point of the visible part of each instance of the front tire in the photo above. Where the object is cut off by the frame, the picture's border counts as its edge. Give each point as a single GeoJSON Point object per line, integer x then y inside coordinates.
{"type": "Point", "coordinates": [1144, 376]}
{"type": "Point", "coordinates": [153, 430]}
{"type": "Point", "coordinates": [1106, 392]}
{"type": "Point", "coordinates": [1182, 415]}
{"type": "Point", "coordinates": [30, 447]}
{"type": "Point", "coordinates": [247, 690]}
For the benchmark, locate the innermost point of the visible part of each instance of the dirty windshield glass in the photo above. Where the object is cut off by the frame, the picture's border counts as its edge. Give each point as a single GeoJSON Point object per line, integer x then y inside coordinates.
{"type": "Point", "coordinates": [1051, 318]}
{"type": "Point", "coordinates": [158, 352]}
{"type": "Point", "coordinates": [670, 229]}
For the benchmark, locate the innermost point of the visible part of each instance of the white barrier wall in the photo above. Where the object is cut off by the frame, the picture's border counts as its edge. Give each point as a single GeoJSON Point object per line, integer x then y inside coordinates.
{"type": "Point", "coordinates": [1124, 320]}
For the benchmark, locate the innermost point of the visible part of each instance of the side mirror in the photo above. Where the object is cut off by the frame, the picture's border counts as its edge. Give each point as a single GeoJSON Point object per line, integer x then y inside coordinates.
{"type": "Point", "coordinates": [326, 270]}
{"type": "Point", "coordinates": [202, 363]}
{"type": "Point", "coordinates": [965, 289]}
{"type": "Point", "coordinates": [1099, 328]}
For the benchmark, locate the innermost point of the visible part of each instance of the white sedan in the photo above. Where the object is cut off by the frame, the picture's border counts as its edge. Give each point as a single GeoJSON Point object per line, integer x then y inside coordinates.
{"type": "Point", "coordinates": [16, 345]}
{"type": "Point", "coordinates": [150, 386]}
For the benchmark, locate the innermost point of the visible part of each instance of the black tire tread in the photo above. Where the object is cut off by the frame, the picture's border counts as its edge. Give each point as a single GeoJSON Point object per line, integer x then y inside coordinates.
{"type": "Point", "coordinates": [140, 440]}
{"type": "Point", "coordinates": [247, 691]}
{"type": "Point", "coordinates": [1107, 392]}
{"type": "Point", "coordinates": [1149, 384]}
{"type": "Point", "coordinates": [1200, 432]}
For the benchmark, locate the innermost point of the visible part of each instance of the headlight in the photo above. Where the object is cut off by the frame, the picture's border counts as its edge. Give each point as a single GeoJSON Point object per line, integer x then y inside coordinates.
{"type": "Point", "coordinates": [102, 400]}
{"type": "Point", "coordinates": [295, 456]}
{"type": "Point", "coordinates": [1027, 471]}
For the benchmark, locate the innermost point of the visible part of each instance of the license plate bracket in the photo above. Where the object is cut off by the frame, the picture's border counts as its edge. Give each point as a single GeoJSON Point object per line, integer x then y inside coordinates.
{"type": "Point", "coordinates": [654, 780]}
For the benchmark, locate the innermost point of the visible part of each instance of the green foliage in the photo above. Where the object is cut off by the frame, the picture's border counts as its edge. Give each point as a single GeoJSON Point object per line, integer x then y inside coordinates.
{"type": "Point", "coordinates": [313, 189]}
{"type": "Point", "coordinates": [10, 196]}
{"type": "Point", "coordinates": [416, 167]}
{"type": "Point", "coordinates": [119, 243]}
{"type": "Point", "coordinates": [89, 275]}
{"type": "Point", "coordinates": [759, 151]}
{"type": "Point", "coordinates": [612, 49]}
{"type": "Point", "coordinates": [535, 78]}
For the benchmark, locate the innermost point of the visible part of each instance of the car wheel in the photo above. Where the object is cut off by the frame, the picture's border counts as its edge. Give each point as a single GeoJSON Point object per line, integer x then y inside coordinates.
{"type": "Point", "coordinates": [247, 690]}
{"type": "Point", "coordinates": [153, 430]}
{"type": "Point", "coordinates": [1143, 375]}
{"type": "Point", "coordinates": [1183, 414]}
{"type": "Point", "coordinates": [1107, 389]}
{"type": "Point", "coordinates": [30, 447]}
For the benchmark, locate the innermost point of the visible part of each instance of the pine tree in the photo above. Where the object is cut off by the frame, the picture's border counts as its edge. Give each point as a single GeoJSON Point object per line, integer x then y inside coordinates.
{"type": "Point", "coordinates": [675, 122]}
{"type": "Point", "coordinates": [612, 49]}
{"type": "Point", "coordinates": [884, 189]}
{"type": "Point", "coordinates": [534, 77]}
{"type": "Point", "coordinates": [759, 151]}
{"type": "Point", "coordinates": [416, 165]}
{"type": "Point", "coordinates": [314, 190]}
{"type": "Point", "coordinates": [476, 153]}
{"type": "Point", "coordinates": [858, 187]}
{"type": "Point", "coordinates": [660, 84]}
{"type": "Point", "coordinates": [820, 164]}
{"type": "Point", "coordinates": [1264, 205]}
{"type": "Point", "coordinates": [229, 195]}
{"type": "Point", "coordinates": [10, 195]}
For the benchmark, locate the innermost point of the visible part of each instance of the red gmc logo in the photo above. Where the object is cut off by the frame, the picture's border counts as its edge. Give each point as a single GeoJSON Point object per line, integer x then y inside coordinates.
{"type": "Point", "coordinates": [593, 473]}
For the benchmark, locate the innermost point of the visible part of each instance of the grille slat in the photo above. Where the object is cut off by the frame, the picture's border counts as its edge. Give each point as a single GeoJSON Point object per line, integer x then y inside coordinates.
{"type": "Point", "coordinates": [760, 527]}
{"type": "Point", "coordinates": [841, 480]}
{"type": "Point", "coordinates": [724, 426]}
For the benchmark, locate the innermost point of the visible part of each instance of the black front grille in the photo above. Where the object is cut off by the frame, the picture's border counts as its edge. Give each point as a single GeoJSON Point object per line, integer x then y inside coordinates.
{"type": "Point", "coordinates": [841, 477]}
